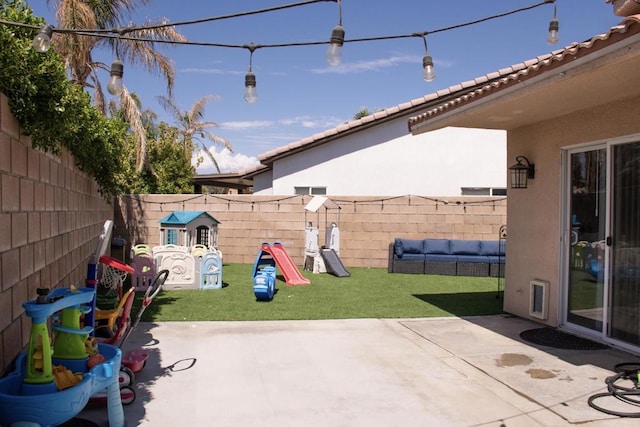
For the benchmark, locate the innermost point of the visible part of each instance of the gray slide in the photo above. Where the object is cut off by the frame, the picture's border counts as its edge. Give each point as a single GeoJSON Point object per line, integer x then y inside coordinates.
{"type": "Point", "coordinates": [333, 264]}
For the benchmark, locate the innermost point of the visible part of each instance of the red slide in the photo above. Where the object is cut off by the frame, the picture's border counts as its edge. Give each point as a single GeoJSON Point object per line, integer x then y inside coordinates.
{"type": "Point", "coordinates": [288, 268]}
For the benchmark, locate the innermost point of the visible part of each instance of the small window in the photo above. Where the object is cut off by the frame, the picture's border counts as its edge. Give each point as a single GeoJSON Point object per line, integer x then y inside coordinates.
{"type": "Point", "coordinates": [172, 236]}
{"type": "Point", "coordinates": [475, 191]}
{"type": "Point", "coordinates": [202, 235]}
{"type": "Point", "coordinates": [301, 190]}
{"type": "Point", "coordinates": [498, 191]}
{"type": "Point", "coordinates": [314, 191]}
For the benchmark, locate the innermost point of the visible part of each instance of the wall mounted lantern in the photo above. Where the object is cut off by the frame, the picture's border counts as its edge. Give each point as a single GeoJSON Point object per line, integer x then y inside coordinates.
{"type": "Point", "coordinates": [520, 173]}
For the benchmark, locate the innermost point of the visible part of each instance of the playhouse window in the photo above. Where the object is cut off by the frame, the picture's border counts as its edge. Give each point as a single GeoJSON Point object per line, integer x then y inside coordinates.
{"type": "Point", "coordinates": [202, 235]}
{"type": "Point", "coordinates": [172, 236]}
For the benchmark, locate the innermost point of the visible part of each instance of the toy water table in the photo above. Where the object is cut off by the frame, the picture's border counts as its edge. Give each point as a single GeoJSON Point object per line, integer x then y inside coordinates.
{"type": "Point", "coordinates": [52, 385]}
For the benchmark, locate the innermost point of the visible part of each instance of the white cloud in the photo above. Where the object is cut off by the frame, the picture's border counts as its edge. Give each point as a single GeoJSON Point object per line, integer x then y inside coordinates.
{"type": "Point", "coordinates": [240, 125]}
{"type": "Point", "coordinates": [372, 65]}
{"type": "Point", "coordinates": [228, 162]}
{"type": "Point", "coordinates": [306, 122]}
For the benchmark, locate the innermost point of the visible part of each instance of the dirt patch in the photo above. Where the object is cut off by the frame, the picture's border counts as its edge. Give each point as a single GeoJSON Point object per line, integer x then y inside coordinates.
{"type": "Point", "coordinates": [513, 359]}
{"type": "Point", "coordinates": [540, 374]}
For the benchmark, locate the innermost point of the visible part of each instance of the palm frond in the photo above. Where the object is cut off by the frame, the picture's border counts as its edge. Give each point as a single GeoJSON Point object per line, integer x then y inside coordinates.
{"type": "Point", "coordinates": [132, 116]}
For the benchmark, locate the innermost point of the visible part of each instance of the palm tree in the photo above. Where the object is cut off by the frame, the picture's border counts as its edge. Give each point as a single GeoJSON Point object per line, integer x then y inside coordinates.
{"type": "Point", "coordinates": [192, 129]}
{"type": "Point", "coordinates": [76, 50]}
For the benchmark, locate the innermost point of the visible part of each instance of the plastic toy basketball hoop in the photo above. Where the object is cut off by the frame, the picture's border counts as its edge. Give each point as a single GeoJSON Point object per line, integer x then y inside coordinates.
{"type": "Point", "coordinates": [114, 273]}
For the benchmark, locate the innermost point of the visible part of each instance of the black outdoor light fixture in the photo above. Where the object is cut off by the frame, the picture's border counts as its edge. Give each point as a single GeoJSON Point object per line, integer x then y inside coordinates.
{"type": "Point", "coordinates": [520, 173]}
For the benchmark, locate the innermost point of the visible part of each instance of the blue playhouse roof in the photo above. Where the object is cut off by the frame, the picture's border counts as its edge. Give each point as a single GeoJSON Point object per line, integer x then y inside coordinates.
{"type": "Point", "coordinates": [185, 217]}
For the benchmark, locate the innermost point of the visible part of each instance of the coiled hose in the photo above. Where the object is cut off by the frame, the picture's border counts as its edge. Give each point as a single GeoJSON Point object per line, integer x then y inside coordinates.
{"type": "Point", "coordinates": [629, 372]}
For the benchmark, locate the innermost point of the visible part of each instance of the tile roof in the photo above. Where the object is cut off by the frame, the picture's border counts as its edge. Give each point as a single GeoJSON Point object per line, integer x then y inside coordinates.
{"type": "Point", "coordinates": [501, 78]}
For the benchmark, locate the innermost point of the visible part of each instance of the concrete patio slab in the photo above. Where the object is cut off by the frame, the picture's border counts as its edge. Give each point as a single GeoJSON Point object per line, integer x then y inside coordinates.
{"type": "Point", "coordinates": [362, 372]}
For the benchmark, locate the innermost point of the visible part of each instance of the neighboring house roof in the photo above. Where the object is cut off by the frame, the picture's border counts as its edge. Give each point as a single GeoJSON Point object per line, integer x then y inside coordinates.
{"type": "Point", "coordinates": [547, 94]}
{"type": "Point", "coordinates": [235, 180]}
{"type": "Point", "coordinates": [185, 217]}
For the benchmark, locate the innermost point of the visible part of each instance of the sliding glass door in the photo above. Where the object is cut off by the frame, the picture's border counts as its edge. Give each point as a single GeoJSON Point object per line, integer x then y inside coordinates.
{"type": "Point", "coordinates": [587, 207]}
{"type": "Point", "coordinates": [624, 305]}
{"type": "Point", "coordinates": [603, 280]}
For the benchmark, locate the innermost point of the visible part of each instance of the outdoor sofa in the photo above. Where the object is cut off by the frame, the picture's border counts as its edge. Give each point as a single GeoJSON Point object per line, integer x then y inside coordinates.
{"type": "Point", "coordinates": [448, 257]}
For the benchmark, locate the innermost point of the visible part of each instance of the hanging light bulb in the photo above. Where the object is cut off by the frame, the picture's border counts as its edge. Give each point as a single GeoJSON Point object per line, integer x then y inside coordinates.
{"type": "Point", "coordinates": [554, 26]}
{"type": "Point", "coordinates": [428, 71]}
{"type": "Point", "coordinates": [114, 86]}
{"type": "Point", "coordinates": [334, 51]}
{"type": "Point", "coordinates": [552, 37]}
{"type": "Point", "coordinates": [250, 92]}
{"type": "Point", "coordinates": [42, 41]}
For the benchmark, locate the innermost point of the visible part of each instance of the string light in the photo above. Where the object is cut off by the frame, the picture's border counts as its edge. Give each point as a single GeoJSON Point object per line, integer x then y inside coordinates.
{"type": "Point", "coordinates": [42, 40]}
{"type": "Point", "coordinates": [335, 49]}
{"type": "Point", "coordinates": [334, 53]}
{"type": "Point", "coordinates": [250, 93]}
{"type": "Point", "coordinates": [114, 85]}
{"type": "Point", "coordinates": [428, 71]}
{"type": "Point", "coordinates": [554, 27]}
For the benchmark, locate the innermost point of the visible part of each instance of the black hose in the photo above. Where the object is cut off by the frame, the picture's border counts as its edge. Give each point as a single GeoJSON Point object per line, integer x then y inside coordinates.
{"type": "Point", "coordinates": [630, 395]}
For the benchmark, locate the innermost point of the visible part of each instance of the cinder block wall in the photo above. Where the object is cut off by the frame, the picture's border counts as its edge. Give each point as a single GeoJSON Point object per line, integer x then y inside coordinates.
{"type": "Point", "coordinates": [367, 224]}
{"type": "Point", "coordinates": [51, 216]}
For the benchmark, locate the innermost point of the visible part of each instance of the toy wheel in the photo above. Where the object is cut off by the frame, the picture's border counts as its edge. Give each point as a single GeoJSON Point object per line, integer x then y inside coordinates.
{"type": "Point", "coordinates": [126, 377]}
{"type": "Point", "coordinates": [127, 395]}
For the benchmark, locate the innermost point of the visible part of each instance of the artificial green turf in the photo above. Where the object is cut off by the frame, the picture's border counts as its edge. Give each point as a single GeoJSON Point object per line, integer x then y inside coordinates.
{"type": "Point", "coordinates": [367, 293]}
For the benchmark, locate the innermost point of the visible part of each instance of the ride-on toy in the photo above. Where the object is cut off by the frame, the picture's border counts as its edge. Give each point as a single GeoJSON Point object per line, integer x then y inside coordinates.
{"type": "Point", "coordinates": [133, 361]}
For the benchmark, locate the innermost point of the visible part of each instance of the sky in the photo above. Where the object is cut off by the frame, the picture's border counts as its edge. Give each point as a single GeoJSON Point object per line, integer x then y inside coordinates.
{"type": "Point", "coordinates": [299, 94]}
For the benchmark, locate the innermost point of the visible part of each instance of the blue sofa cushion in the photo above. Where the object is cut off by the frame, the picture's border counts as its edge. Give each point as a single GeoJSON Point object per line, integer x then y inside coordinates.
{"type": "Point", "coordinates": [408, 246]}
{"type": "Point", "coordinates": [465, 247]}
{"type": "Point", "coordinates": [488, 247]}
{"type": "Point", "coordinates": [436, 246]}
{"type": "Point", "coordinates": [397, 247]}
{"type": "Point", "coordinates": [492, 247]}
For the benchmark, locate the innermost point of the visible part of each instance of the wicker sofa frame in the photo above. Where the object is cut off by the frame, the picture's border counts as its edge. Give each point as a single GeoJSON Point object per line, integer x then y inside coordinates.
{"type": "Point", "coordinates": [452, 257]}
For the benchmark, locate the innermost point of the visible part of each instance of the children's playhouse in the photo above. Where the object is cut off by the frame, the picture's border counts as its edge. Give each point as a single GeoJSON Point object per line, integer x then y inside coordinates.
{"type": "Point", "coordinates": [188, 250]}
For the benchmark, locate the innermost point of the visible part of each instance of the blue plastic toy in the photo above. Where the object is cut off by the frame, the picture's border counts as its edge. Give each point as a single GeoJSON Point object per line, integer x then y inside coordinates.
{"type": "Point", "coordinates": [49, 388]}
{"type": "Point", "coordinates": [264, 283]}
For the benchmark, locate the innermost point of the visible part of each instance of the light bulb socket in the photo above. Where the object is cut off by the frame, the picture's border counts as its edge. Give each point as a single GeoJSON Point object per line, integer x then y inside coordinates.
{"type": "Point", "coordinates": [427, 61]}
{"type": "Point", "coordinates": [337, 35]}
{"type": "Point", "coordinates": [250, 80]}
{"type": "Point", "coordinates": [554, 25]}
{"type": "Point", "coordinates": [117, 68]}
{"type": "Point", "coordinates": [46, 30]}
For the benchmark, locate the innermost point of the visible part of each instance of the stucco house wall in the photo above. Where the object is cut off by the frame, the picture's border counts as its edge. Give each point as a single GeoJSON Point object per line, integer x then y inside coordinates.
{"type": "Point", "coordinates": [534, 213]}
{"type": "Point", "coordinates": [386, 159]}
